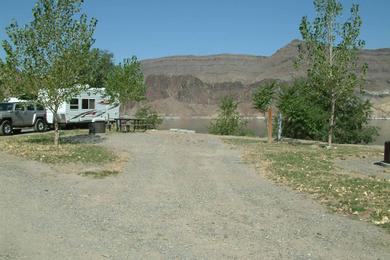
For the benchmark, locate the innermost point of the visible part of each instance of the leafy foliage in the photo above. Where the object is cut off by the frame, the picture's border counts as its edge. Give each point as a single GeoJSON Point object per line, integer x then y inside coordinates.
{"type": "Point", "coordinates": [304, 117]}
{"type": "Point", "coordinates": [330, 52]}
{"type": "Point", "coordinates": [101, 65]}
{"type": "Point", "coordinates": [2, 85]}
{"type": "Point", "coordinates": [263, 96]}
{"type": "Point", "coordinates": [151, 116]}
{"type": "Point", "coordinates": [125, 82]}
{"type": "Point", "coordinates": [306, 113]}
{"type": "Point", "coordinates": [50, 56]}
{"type": "Point", "coordinates": [228, 121]}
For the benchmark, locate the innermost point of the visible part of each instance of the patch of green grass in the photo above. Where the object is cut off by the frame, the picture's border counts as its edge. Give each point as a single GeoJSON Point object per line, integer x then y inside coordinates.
{"type": "Point", "coordinates": [310, 168]}
{"type": "Point", "coordinates": [40, 147]}
{"type": "Point", "coordinates": [99, 174]}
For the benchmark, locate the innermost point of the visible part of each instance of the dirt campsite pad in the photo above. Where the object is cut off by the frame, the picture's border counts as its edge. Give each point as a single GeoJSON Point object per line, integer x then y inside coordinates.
{"type": "Point", "coordinates": [180, 195]}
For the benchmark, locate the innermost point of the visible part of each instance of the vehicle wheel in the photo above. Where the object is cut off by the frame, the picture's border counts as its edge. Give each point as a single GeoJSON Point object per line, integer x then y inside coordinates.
{"type": "Point", "coordinates": [6, 127]}
{"type": "Point", "coordinates": [40, 125]}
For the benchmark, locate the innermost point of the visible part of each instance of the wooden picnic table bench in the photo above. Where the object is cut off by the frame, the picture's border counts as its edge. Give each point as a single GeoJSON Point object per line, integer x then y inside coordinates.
{"type": "Point", "coordinates": [125, 124]}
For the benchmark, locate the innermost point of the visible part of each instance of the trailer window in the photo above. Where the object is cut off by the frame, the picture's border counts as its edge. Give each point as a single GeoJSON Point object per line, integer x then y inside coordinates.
{"type": "Point", "coordinates": [74, 103]}
{"type": "Point", "coordinates": [91, 104]}
{"type": "Point", "coordinates": [88, 104]}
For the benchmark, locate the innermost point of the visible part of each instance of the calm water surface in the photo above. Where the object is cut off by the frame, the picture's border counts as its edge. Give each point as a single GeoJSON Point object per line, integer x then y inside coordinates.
{"type": "Point", "coordinates": [201, 125]}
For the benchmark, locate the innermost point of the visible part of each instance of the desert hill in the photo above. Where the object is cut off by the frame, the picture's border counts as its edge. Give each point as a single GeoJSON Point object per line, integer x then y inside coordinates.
{"type": "Point", "coordinates": [193, 85]}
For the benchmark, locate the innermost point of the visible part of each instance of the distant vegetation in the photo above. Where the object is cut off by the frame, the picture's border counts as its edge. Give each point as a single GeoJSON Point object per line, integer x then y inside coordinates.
{"type": "Point", "coordinates": [151, 116]}
{"type": "Point", "coordinates": [306, 116]}
{"type": "Point", "coordinates": [263, 100]}
{"type": "Point", "coordinates": [55, 69]}
{"type": "Point", "coordinates": [228, 121]}
{"type": "Point", "coordinates": [125, 82]}
{"type": "Point", "coordinates": [326, 105]}
{"type": "Point", "coordinates": [334, 75]}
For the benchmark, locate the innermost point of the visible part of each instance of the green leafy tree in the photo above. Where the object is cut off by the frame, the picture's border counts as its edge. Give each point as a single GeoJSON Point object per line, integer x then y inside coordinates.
{"type": "Point", "coordinates": [263, 99]}
{"type": "Point", "coordinates": [125, 82]}
{"type": "Point", "coordinates": [228, 121]}
{"type": "Point", "coordinates": [50, 56]}
{"type": "Point", "coordinates": [305, 115]}
{"type": "Point", "coordinates": [330, 52]}
{"type": "Point", "coordinates": [2, 84]}
{"type": "Point", "coordinates": [101, 65]}
{"type": "Point", "coordinates": [151, 116]}
{"type": "Point", "coordinates": [303, 112]}
{"type": "Point", "coordinates": [263, 96]}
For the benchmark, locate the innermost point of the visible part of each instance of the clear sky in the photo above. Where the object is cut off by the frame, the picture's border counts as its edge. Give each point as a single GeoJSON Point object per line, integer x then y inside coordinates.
{"type": "Point", "coordinates": [157, 28]}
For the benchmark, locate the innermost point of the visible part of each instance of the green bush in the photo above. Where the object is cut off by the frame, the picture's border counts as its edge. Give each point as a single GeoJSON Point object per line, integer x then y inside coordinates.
{"type": "Point", "coordinates": [228, 121]}
{"type": "Point", "coordinates": [151, 116]}
{"type": "Point", "coordinates": [305, 115]}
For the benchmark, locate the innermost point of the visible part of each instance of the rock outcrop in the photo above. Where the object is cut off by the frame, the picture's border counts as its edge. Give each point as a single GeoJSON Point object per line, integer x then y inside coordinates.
{"type": "Point", "coordinates": [193, 85]}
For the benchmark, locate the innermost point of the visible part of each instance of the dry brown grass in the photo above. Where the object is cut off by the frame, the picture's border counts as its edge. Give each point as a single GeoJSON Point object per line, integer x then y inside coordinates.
{"type": "Point", "coordinates": [310, 168]}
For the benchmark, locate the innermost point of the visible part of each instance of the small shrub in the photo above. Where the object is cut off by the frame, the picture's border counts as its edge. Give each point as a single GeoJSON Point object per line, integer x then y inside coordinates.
{"type": "Point", "coordinates": [228, 121]}
{"type": "Point", "coordinates": [151, 116]}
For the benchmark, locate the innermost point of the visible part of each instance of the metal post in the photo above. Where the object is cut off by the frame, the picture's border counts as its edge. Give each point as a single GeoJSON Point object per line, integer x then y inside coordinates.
{"type": "Point", "coordinates": [279, 126]}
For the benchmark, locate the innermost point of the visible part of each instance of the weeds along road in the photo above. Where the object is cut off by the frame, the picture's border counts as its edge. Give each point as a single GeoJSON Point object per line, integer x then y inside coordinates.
{"type": "Point", "coordinates": [179, 196]}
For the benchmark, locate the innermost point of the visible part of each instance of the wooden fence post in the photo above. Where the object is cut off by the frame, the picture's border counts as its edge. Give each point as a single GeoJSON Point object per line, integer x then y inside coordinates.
{"type": "Point", "coordinates": [270, 125]}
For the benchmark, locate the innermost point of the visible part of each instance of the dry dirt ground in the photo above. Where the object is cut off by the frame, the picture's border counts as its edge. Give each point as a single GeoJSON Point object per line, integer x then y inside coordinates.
{"type": "Point", "coordinates": [180, 196]}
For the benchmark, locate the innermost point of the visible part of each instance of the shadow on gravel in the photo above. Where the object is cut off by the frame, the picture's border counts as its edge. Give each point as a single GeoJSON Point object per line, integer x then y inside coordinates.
{"type": "Point", "coordinates": [84, 139]}
{"type": "Point", "coordinates": [75, 139]}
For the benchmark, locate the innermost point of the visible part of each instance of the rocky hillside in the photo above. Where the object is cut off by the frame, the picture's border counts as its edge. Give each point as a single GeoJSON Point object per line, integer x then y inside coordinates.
{"type": "Point", "coordinates": [192, 85]}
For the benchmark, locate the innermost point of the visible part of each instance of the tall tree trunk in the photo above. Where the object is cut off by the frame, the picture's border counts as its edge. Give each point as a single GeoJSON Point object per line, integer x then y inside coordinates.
{"type": "Point", "coordinates": [56, 130]}
{"type": "Point", "coordinates": [269, 125]}
{"type": "Point", "coordinates": [330, 80]}
{"type": "Point", "coordinates": [331, 120]}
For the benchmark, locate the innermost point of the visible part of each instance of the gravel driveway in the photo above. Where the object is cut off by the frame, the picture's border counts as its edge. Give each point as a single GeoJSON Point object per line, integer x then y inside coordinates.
{"type": "Point", "coordinates": [180, 196]}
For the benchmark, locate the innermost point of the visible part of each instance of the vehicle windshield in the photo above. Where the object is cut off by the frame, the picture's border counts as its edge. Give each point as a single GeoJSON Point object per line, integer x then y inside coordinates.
{"type": "Point", "coordinates": [5, 106]}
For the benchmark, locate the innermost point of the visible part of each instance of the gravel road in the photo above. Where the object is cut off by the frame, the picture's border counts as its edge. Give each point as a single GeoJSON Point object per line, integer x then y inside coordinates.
{"type": "Point", "coordinates": [185, 196]}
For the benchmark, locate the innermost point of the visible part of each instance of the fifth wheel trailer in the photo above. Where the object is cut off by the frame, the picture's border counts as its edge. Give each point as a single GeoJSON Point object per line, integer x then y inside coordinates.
{"type": "Point", "coordinates": [88, 106]}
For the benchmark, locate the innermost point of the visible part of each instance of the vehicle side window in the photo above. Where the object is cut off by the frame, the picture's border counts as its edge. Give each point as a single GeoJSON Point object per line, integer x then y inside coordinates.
{"type": "Point", "coordinates": [30, 107]}
{"type": "Point", "coordinates": [19, 107]}
{"type": "Point", "coordinates": [88, 103]}
{"type": "Point", "coordinates": [40, 107]}
{"type": "Point", "coordinates": [74, 103]}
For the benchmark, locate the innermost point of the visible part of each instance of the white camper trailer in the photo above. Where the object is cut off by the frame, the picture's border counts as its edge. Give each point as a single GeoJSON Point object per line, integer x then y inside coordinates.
{"type": "Point", "coordinates": [89, 106]}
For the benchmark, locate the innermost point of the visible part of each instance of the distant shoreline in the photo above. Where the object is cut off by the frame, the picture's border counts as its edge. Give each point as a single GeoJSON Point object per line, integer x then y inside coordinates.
{"type": "Point", "coordinates": [244, 117]}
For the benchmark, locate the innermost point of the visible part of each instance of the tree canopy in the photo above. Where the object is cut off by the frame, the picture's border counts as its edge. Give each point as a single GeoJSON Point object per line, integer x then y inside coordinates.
{"type": "Point", "coordinates": [101, 65]}
{"type": "Point", "coordinates": [330, 52]}
{"type": "Point", "coordinates": [125, 82]}
{"type": "Point", "coordinates": [50, 56]}
{"type": "Point", "coordinates": [263, 96]}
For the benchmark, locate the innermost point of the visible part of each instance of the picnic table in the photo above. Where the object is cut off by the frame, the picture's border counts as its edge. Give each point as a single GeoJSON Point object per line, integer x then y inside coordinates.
{"type": "Point", "coordinates": [126, 124]}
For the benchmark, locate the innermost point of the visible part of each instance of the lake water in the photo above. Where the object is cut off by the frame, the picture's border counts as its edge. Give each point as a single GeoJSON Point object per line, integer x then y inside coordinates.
{"type": "Point", "coordinates": [200, 125]}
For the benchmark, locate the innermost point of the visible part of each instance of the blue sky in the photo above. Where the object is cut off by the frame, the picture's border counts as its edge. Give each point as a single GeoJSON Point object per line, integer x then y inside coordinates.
{"type": "Point", "coordinates": [157, 28]}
